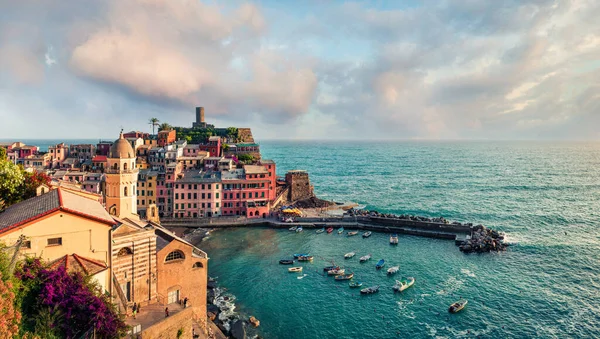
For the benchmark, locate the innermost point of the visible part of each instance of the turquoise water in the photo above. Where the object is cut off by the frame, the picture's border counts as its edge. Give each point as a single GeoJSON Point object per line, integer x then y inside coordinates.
{"type": "Point", "coordinates": [546, 196]}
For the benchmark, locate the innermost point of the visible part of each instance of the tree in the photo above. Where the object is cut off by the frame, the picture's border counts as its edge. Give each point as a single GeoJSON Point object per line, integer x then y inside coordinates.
{"type": "Point", "coordinates": [11, 181]}
{"type": "Point", "coordinates": [232, 134]}
{"type": "Point", "coordinates": [32, 181]}
{"type": "Point", "coordinates": [188, 138]}
{"type": "Point", "coordinates": [10, 317]}
{"type": "Point", "coordinates": [154, 122]}
{"type": "Point", "coordinates": [2, 154]}
{"type": "Point", "coordinates": [165, 127]}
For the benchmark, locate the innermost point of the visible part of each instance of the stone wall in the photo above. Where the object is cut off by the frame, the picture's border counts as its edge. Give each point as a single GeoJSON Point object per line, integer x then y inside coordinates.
{"type": "Point", "coordinates": [299, 186]}
{"type": "Point", "coordinates": [245, 135]}
{"type": "Point", "coordinates": [168, 328]}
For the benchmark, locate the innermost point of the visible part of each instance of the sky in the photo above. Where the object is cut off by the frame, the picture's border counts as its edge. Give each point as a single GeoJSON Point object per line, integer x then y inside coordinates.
{"type": "Point", "coordinates": [447, 69]}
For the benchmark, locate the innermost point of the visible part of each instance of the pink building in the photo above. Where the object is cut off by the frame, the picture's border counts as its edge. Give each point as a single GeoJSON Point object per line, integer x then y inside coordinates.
{"type": "Point", "coordinates": [197, 194]}
{"type": "Point", "coordinates": [103, 147]}
{"type": "Point", "coordinates": [58, 154]}
{"type": "Point", "coordinates": [248, 192]}
{"type": "Point", "coordinates": [92, 182]}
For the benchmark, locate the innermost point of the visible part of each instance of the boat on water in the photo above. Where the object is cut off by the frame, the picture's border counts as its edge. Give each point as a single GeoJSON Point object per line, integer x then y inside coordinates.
{"type": "Point", "coordinates": [344, 276]}
{"type": "Point", "coordinates": [330, 229]}
{"type": "Point", "coordinates": [340, 230]}
{"type": "Point", "coordinates": [299, 229]}
{"type": "Point", "coordinates": [367, 234]}
{"type": "Point", "coordinates": [370, 290]}
{"type": "Point", "coordinates": [394, 239]}
{"type": "Point", "coordinates": [293, 228]}
{"type": "Point", "coordinates": [295, 269]}
{"type": "Point", "coordinates": [336, 271]}
{"type": "Point", "coordinates": [380, 264]}
{"type": "Point", "coordinates": [403, 284]}
{"type": "Point", "coordinates": [319, 231]}
{"type": "Point", "coordinates": [301, 255]}
{"type": "Point", "coordinates": [286, 261]}
{"type": "Point", "coordinates": [354, 284]}
{"type": "Point", "coordinates": [458, 306]}
{"type": "Point", "coordinates": [329, 268]}
{"type": "Point", "coordinates": [393, 270]}
{"type": "Point", "coordinates": [365, 258]}
{"type": "Point", "coordinates": [349, 255]}
{"type": "Point", "coordinates": [352, 233]}
{"type": "Point", "coordinates": [305, 258]}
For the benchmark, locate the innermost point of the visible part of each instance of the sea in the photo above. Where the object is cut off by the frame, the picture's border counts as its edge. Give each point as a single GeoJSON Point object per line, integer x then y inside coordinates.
{"type": "Point", "coordinates": [544, 195]}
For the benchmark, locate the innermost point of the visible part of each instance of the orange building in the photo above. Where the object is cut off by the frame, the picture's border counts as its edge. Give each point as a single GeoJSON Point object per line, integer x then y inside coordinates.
{"type": "Point", "coordinates": [166, 137]}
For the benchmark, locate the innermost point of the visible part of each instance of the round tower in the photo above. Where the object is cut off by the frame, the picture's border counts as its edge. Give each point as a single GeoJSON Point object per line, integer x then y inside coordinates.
{"type": "Point", "coordinates": [121, 179]}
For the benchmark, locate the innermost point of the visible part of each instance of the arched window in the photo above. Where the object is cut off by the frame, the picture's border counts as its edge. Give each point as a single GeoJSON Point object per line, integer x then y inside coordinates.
{"type": "Point", "coordinates": [250, 213]}
{"type": "Point", "coordinates": [113, 210]}
{"type": "Point", "coordinates": [197, 264]}
{"type": "Point", "coordinates": [124, 251]}
{"type": "Point", "coordinates": [125, 192]}
{"type": "Point", "coordinates": [125, 166]}
{"type": "Point", "coordinates": [175, 255]}
{"type": "Point", "coordinates": [116, 166]}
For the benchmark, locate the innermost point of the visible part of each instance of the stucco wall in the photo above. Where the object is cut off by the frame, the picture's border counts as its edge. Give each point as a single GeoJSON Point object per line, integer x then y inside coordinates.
{"type": "Point", "coordinates": [167, 328]}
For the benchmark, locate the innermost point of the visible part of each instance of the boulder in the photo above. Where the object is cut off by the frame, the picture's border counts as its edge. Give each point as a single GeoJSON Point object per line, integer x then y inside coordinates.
{"type": "Point", "coordinates": [211, 284]}
{"type": "Point", "coordinates": [211, 316]}
{"type": "Point", "coordinates": [213, 308]}
{"type": "Point", "coordinates": [223, 328]}
{"type": "Point", "coordinates": [255, 322]}
{"type": "Point", "coordinates": [237, 330]}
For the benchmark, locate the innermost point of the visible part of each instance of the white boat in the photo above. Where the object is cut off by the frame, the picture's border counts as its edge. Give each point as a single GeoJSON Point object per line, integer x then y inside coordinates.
{"type": "Point", "coordinates": [336, 272]}
{"type": "Point", "coordinates": [393, 270]}
{"type": "Point", "coordinates": [293, 228]}
{"type": "Point", "coordinates": [349, 255]}
{"type": "Point", "coordinates": [365, 258]}
{"type": "Point", "coordinates": [295, 269]}
{"type": "Point", "coordinates": [299, 229]}
{"type": "Point", "coordinates": [394, 239]}
{"type": "Point", "coordinates": [403, 284]}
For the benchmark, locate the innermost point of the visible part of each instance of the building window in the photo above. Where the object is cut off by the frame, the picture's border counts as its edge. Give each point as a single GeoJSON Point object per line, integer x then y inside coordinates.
{"type": "Point", "coordinates": [262, 194]}
{"type": "Point", "coordinates": [217, 186]}
{"type": "Point", "coordinates": [26, 245]}
{"type": "Point", "coordinates": [197, 264]}
{"type": "Point", "coordinates": [124, 251]}
{"type": "Point", "coordinates": [217, 195]}
{"type": "Point", "coordinates": [125, 191]}
{"type": "Point", "coordinates": [54, 241]}
{"type": "Point", "coordinates": [175, 255]}
{"type": "Point", "coordinates": [217, 205]}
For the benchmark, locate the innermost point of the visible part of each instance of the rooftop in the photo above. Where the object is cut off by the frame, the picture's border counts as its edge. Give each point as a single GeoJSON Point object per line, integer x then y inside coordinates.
{"type": "Point", "coordinates": [195, 176]}
{"type": "Point", "coordinates": [255, 169]}
{"type": "Point", "coordinates": [232, 175]}
{"type": "Point", "coordinates": [77, 264]}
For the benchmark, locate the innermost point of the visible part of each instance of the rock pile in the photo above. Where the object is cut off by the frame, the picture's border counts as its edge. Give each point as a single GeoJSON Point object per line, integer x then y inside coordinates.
{"type": "Point", "coordinates": [313, 202]}
{"type": "Point", "coordinates": [483, 240]}
{"type": "Point", "coordinates": [221, 310]}
{"type": "Point", "coordinates": [376, 214]}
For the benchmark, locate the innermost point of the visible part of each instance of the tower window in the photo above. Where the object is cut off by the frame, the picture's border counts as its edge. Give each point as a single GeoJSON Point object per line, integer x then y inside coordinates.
{"type": "Point", "coordinates": [125, 191]}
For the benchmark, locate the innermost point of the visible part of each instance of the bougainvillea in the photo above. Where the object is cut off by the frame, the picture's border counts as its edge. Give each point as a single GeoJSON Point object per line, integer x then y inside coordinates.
{"type": "Point", "coordinates": [70, 295]}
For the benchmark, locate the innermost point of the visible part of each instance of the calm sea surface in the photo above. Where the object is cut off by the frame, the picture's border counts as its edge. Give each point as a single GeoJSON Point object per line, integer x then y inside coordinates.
{"type": "Point", "coordinates": [545, 195]}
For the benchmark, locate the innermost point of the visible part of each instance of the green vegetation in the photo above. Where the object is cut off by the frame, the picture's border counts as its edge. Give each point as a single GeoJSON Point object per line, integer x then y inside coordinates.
{"type": "Point", "coordinates": [164, 127]}
{"type": "Point", "coordinates": [198, 135]}
{"type": "Point", "coordinates": [179, 333]}
{"type": "Point", "coordinates": [16, 184]}
{"type": "Point", "coordinates": [154, 122]}
{"type": "Point", "coordinates": [246, 158]}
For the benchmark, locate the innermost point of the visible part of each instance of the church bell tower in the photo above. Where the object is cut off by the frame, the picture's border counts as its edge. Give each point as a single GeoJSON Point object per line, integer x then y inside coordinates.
{"type": "Point", "coordinates": [121, 180]}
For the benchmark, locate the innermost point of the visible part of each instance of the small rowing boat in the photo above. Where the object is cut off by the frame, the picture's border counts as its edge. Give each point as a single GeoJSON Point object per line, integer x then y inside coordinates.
{"type": "Point", "coordinates": [329, 268]}
{"type": "Point", "coordinates": [380, 264]}
{"type": "Point", "coordinates": [354, 284]}
{"type": "Point", "coordinates": [394, 239]}
{"type": "Point", "coordinates": [457, 306]}
{"type": "Point", "coordinates": [349, 255]}
{"type": "Point", "coordinates": [367, 234]}
{"type": "Point", "coordinates": [365, 258]}
{"type": "Point", "coordinates": [352, 233]}
{"type": "Point", "coordinates": [336, 271]}
{"type": "Point", "coordinates": [344, 276]}
{"type": "Point", "coordinates": [293, 228]}
{"type": "Point", "coordinates": [370, 290]}
{"type": "Point", "coordinates": [403, 284]}
{"type": "Point", "coordinates": [286, 261]}
{"type": "Point", "coordinates": [393, 270]}
{"type": "Point", "coordinates": [330, 229]}
{"type": "Point", "coordinates": [299, 229]}
{"type": "Point", "coordinates": [301, 255]}
{"type": "Point", "coordinates": [340, 230]}
{"type": "Point", "coordinates": [321, 230]}
{"type": "Point", "coordinates": [305, 258]}
{"type": "Point", "coordinates": [295, 269]}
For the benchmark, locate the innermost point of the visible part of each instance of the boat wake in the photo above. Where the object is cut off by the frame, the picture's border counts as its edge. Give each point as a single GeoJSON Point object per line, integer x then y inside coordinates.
{"type": "Point", "coordinates": [302, 276]}
{"type": "Point", "coordinates": [467, 272]}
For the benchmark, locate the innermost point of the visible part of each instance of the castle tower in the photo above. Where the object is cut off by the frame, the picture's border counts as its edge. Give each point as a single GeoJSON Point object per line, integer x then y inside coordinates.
{"type": "Point", "coordinates": [121, 180]}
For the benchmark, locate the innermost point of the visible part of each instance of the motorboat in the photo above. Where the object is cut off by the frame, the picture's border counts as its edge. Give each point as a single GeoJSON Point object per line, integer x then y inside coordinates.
{"type": "Point", "coordinates": [329, 268]}
{"type": "Point", "coordinates": [354, 284]}
{"type": "Point", "coordinates": [286, 261]}
{"type": "Point", "coordinates": [319, 231]}
{"type": "Point", "coordinates": [349, 255]}
{"type": "Point", "coordinates": [370, 290]}
{"type": "Point", "coordinates": [293, 228]}
{"type": "Point", "coordinates": [336, 271]}
{"type": "Point", "coordinates": [393, 270]}
{"type": "Point", "coordinates": [352, 233]}
{"type": "Point", "coordinates": [330, 229]}
{"type": "Point", "coordinates": [295, 269]}
{"type": "Point", "coordinates": [344, 276]}
{"type": "Point", "coordinates": [394, 239]}
{"type": "Point", "coordinates": [340, 230]}
{"type": "Point", "coordinates": [458, 306]}
{"type": "Point", "coordinates": [365, 258]}
{"type": "Point", "coordinates": [403, 284]}
{"type": "Point", "coordinates": [305, 258]}
{"type": "Point", "coordinates": [367, 234]}
{"type": "Point", "coordinates": [380, 264]}
{"type": "Point", "coordinates": [299, 229]}
{"type": "Point", "coordinates": [301, 255]}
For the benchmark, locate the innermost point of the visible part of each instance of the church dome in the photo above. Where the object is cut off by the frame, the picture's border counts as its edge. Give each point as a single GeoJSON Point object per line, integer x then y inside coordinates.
{"type": "Point", "coordinates": [121, 149]}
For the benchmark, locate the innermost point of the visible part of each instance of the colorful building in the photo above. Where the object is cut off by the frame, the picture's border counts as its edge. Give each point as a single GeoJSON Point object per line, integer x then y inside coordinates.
{"type": "Point", "coordinates": [197, 194]}
{"type": "Point", "coordinates": [146, 191]}
{"type": "Point", "coordinates": [166, 137]}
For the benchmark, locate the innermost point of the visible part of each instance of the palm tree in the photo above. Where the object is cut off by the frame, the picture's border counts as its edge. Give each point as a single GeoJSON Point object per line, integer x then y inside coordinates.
{"type": "Point", "coordinates": [165, 126]}
{"type": "Point", "coordinates": [154, 122]}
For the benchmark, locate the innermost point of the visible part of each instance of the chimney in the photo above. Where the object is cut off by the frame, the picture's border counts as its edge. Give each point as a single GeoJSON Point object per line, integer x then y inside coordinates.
{"type": "Point", "coordinates": [199, 115]}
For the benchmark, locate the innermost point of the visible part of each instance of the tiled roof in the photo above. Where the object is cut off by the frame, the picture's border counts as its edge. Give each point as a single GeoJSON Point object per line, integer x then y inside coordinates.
{"type": "Point", "coordinates": [78, 264]}
{"type": "Point", "coordinates": [55, 200]}
{"type": "Point", "coordinates": [99, 158]}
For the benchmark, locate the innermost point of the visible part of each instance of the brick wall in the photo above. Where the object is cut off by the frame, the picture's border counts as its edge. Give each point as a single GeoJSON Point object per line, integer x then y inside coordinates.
{"type": "Point", "coordinates": [299, 186]}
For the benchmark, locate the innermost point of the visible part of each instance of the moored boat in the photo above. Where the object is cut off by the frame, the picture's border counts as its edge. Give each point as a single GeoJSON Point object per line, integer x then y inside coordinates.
{"type": "Point", "coordinates": [367, 234]}
{"type": "Point", "coordinates": [329, 268]}
{"type": "Point", "coordinates": [301, 255]}
{"type": "Point", "coordinates": [352, 233]}
{"type": "Point", "coordinates": [340, 230]}
{"type": "Point", "coordinates": [393, 270]}
{"type": "Point", "coordinates": [403, 284]}
{"type": "Point", "coordinates": [380, 264]}
{"type": "Point", "coordinates": [349, 255]}
{"type": "Point", "coordinates": [336, 271]}
{"type": "Point", "coordinates": [365, 258]}
{"type": "Point", "coordinates": [394, 239]}
{"type": "Point", "coordinates": [295, 269]}
{"type": "Point", "coordinates": [344, 276]}
{"type": "Point", "coordinates": [321, 230]}
{"type": "Point", "coordinates": [458, 306]}
{"type": "Point", "coordinates": [299, 229]}
{"type": "Point", "coordinates": [370, 290]}
{"type": "Point", "coordinates": [286, 261]}
{"type": "Point", "coordinates": [354, 284]}
{"type": "Point", "coordinates": [293, 228]}
{"type": "Point", "coordinates": [330, 229]}
{"type": "Point", "coordinates": [305, 258]}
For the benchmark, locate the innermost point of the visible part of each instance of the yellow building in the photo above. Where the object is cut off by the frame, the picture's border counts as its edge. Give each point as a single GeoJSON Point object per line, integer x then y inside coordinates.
{"type": "Point", "coordinates": [146, 191]}
{"type": "Point", "coordinates": [62, 223]}
{"type": "Point", "coordinates": [121, 179]}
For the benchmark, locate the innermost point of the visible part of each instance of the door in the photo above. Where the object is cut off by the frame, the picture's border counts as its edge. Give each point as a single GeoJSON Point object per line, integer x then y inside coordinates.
{"type": "Point", "coordinates": [173, 297]}
{"type": "Point", "coordinates": [126, 288]}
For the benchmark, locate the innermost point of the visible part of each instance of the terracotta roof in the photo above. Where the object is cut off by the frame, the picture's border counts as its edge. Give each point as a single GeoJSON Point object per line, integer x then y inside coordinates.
{"type": "Point", "coordinates": [99, 158]}
{"type": "Point", "coordinates": [77, 264]}
{"type": "Point", "coordinates": [55, 200]}
{"type": "Point", "coordinates": [121, 149]}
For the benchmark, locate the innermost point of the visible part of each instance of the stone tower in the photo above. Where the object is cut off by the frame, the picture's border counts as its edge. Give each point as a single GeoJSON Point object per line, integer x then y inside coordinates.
{"type": "Point", "coordinates": [121, 180]}
{"type": "Point", "coordinates": [299, 185]}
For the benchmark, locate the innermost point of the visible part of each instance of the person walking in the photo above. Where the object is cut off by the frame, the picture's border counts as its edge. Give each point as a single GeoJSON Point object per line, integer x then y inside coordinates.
{"type": "Point", "coordinates": [185, 302]}
{"type": "Point", "coordinates": [134, 310]}
{"type": "Point", "coordinates": [166, 312]}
